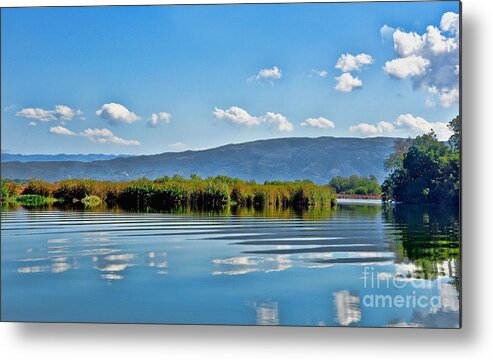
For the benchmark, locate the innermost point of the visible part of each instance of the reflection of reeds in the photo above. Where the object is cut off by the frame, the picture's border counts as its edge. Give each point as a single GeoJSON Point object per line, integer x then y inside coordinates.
{"type": "Point", "coordinates": [178, 192]}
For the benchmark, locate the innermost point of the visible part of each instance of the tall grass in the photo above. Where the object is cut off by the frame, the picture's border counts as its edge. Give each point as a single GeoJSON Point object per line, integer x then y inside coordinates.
{"type": "Point", "coordinates": [178, 192]}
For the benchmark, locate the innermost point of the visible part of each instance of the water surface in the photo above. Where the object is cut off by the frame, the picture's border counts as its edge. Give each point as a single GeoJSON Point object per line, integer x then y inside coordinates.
{"type": "Point", "coordinates": [319, 267]}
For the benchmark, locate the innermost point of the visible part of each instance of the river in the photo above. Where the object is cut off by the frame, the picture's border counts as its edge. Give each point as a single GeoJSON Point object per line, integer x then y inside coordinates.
{"type": "Point", "coordinates": [361, 264]}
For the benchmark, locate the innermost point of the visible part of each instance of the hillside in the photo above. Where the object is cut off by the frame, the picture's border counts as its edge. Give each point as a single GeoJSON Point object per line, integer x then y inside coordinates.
{"type": "Point", "coordinates": [318, 159]}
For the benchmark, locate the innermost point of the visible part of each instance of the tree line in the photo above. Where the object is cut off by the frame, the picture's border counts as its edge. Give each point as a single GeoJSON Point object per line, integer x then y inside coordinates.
{"type": "Point", "coordinates": [356, 185]}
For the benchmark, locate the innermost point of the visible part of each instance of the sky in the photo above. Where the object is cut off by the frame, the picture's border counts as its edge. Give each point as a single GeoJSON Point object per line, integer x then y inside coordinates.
{"type": "Point", "coordinates": [152, 79]}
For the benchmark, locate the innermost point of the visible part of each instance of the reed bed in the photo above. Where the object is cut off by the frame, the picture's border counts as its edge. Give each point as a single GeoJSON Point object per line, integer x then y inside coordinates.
{"type": "Point", "coordinates": [179, 192]}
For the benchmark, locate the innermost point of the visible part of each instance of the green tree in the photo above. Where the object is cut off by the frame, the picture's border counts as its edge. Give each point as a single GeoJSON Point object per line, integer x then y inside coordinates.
{"type": "Point", "coordinates": [455, 126]}
{"type": "Point", "coordinates": [360, 185]}
{"type": "Point", "coordinates": [428, 172]}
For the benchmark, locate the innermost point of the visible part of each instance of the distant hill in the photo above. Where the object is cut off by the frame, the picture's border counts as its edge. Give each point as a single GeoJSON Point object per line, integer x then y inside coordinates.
{"type": "Point", "coordinates": [318, 159]}
{"type": "Point", "coordinates": [58, 157]}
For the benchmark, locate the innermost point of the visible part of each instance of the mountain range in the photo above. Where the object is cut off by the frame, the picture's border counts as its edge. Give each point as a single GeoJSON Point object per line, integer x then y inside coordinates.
{"type": "Point", "coordinates": [318, 159]}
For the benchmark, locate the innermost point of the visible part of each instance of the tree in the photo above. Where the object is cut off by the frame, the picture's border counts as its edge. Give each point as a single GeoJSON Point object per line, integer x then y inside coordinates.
{"type": "Point", "coordinates": [5, 192]}
{"type": "Point", "coordinates": [455, 126]}
{"type": "Point", "coordinates": [355, 184]}
{"type": "Point", "coordinates": [401, 146]}
{"type": "Point", "coordinates": [427, 172]}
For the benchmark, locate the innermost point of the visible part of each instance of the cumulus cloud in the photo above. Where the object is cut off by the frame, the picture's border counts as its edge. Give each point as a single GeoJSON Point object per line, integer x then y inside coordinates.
{"type": "Point", "coordinates": [155, 119]}
{"type": "Point", "coordinates": [430, 60]}
{"type": "Point", "coordinates": [61, 113]}
{"type": "Point", "coordinates": [346, 83]}
{"type": "Point", "coordinates": [33, 123]}
{"type": "Point", "coordinates": [236, 115]}
{"type": "Point", "coordinates": [239, 116]}
{"type": "Point", "coordinates": [348, 62]}
{"type": "Point", "coordinates": [417, 125]}
{"type": "Point", "coordinates": [450, 22]}
{"type": "Point", "coordinates": [60, 130]}
{"type": "Point", "coordinates": [117, 114]}
{"type": "Point", "coordinates": [268, 74]}
{"type": "Point", "coordinates": [414, 122]}
{"type": "Point", "coordinates": [65, 113]}
{"type": "Point", "coordinates": [279, 121]}
{"type": "Point", "coordinates": [320, 122]}
{"type": "Point", "coordinates": [449, 97]}
{"type": "Point", "coordinates": [404, 125]}
{"type": "Point", "coordinates": [407, 44]}
{"type": "Point", "coordinates": [386, 32]}
{"type": "Point", "coordinates": [105, 136]}
{"type": "Point", "coordinates": [439, 44]}
{"type": "Point", "coordinates": [366, 129]}
{"type": "Point", "coordinates": [36, 113]}
{"type": "Point", "coordinates": [409, 66]}
{"type": "Point", "coordinates": [321, 73]}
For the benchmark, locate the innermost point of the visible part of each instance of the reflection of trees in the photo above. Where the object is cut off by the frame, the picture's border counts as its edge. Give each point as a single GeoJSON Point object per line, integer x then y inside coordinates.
{"type": "Point", "coordinates": [427, 236]}
{"type": "Point", "coordinates": [359, 210]}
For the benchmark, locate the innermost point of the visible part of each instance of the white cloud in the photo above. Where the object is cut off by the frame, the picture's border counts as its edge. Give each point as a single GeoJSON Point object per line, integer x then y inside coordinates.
{"type": "Point", "coordinates": [437, 43]}
{"type": "Point", "coordinates": [409, 66]}
{"type": "Point", "coordinates": [449, 97]}
{"type": "Point", "coordinates": [239, 116]}
{"type": "Point", "coordinates": [430, 60]}
{"type": "Point", "coordinates": [117, 113]}
{"type": "Point", "coordinates": [60, 130]}
{"type": "Point", "coordinates": [404, 125]}
{"type": "Point", "coordinates": [61, 113]}
{"type": "Point", "coordinates": [407, 44]}
{"type": "Point", "coordinates": [279, 121]}
{"type": "Point", "coordinates": [441, 130]}
{"type": "Point", "coordinates": [105, 136]}
{"type": "Point", "coordinates": [386, 32]}
{"type": "Point", "coordinates": [346, 83]}
{"type": "Point", "coordinates": [429, 103]}
{"type": "Point", "coordinates": [417, 125]}
{"type": "Point", "coordinates": [36, 113]}
{"type": "Point", "coordinates": [321, 73]}
{"type": "Point", "coordinates": [320, 122]}
{"type": "Point", "coordinates": [65, 113]}
{"type": "Point", "coordinates": [178, 146]}
{"type": "Point", "coordinates": [385, 127]}
{"type": "Point", "coordinates": [236, 115]}
{"type": "Point", "coordinates": [450, 22]}
{"type": "Point", "coordinates": [348, 62]}
{"type": "Point", "coordinates": [366, 129]}
{"type": "Point", "coordinates": [33, 123]}
{"type": "Point", "coordinates": [269, 74]}
{"type": "Point", "coordinates": [154, 120]}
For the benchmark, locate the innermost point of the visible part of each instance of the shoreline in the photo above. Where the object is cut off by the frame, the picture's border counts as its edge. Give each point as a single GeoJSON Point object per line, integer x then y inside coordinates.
{"type": "Point", "coordinates": [358, 197]}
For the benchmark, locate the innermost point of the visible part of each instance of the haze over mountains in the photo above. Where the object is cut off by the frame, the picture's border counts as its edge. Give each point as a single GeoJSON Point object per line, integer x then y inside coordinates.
{"type": "Point", "coordinates": [317, 159]}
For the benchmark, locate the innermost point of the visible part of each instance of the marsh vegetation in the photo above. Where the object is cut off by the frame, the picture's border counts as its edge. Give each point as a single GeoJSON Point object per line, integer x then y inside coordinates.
{"type": "Point", "coordinates": [171, 192]}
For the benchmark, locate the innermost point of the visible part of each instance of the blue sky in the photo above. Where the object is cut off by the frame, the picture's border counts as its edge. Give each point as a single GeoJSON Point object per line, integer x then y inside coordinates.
{"type": "Point", "coordinates": [143, 80]}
